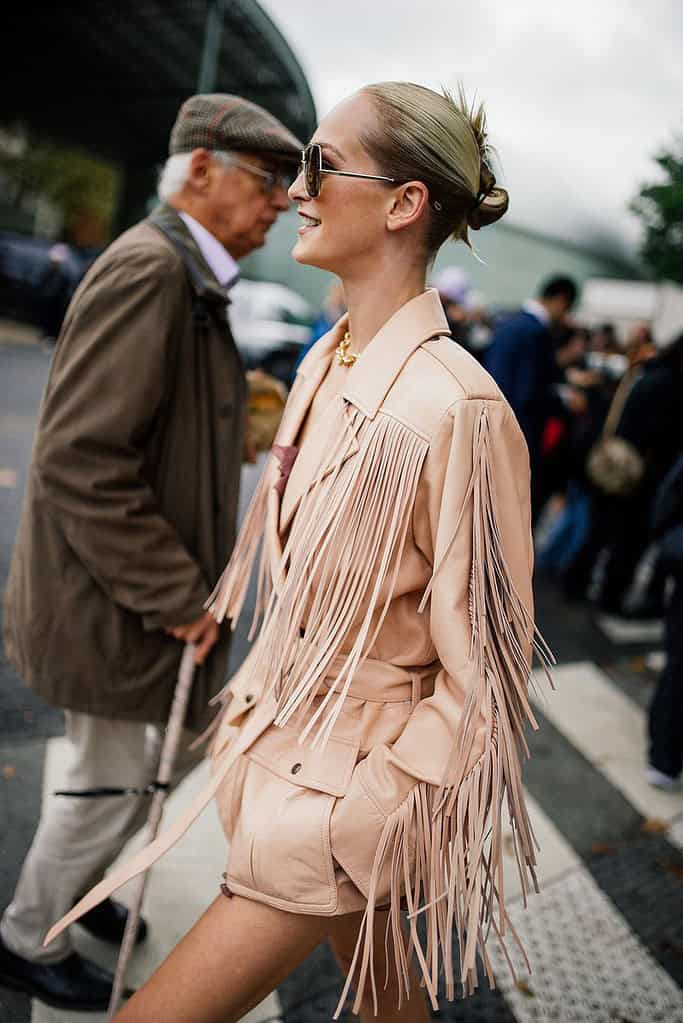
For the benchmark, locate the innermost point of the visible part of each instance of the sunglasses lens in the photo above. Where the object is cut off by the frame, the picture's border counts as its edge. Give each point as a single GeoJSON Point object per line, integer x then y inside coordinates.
{"type": "Point", "coordinates": [311, 169]}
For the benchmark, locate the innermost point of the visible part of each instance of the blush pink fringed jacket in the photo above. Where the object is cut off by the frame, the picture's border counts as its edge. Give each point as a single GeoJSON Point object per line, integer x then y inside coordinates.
{"type": "Point", "coordinates": [369, 750]}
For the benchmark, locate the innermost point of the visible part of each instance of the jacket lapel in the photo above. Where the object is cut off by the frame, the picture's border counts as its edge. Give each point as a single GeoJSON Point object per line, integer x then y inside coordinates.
{"type": "Point", "coordinates": [368, 383]}
{"type": "Point", "coordinates": [308, 379]}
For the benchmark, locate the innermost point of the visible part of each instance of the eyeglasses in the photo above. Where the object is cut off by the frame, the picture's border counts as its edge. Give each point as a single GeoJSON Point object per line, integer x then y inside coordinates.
{"type": "Point", "coordinates": [272, 179]}
{"type": "Point", "coordinates": [312, 169]}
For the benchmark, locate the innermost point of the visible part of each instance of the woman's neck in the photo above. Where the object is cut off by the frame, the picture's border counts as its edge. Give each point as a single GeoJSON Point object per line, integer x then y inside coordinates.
{"type": "Point", "coordinates": [375, 296]}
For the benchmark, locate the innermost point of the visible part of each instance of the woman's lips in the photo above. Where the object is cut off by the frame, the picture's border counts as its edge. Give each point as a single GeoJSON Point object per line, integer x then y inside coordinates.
{"type": "Point", "coordinates": [310, 223]}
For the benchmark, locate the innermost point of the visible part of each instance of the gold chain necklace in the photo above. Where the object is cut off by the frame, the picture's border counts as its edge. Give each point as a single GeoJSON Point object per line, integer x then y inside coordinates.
{"type": "Point", "coordinates": [344, 356]}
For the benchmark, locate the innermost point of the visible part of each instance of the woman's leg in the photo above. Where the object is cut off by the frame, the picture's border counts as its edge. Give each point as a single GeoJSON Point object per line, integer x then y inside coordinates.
{"type": "Point", "coordinates": [343, 939]}
{"type": "Point", "coordinates": [235, 955]}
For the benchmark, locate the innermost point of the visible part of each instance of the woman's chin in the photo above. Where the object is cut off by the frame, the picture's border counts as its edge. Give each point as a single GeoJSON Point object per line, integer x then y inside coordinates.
{"type": "Point", "coordinates": [304, 252]}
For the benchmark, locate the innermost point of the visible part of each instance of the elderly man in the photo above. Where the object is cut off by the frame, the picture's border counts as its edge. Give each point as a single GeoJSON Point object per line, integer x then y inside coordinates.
{"type": "Point", "coordinates": [130, 514]}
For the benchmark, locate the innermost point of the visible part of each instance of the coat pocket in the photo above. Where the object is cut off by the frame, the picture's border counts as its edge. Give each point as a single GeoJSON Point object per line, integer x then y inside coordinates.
{"type": "Point", "coordinates": [281, 840]}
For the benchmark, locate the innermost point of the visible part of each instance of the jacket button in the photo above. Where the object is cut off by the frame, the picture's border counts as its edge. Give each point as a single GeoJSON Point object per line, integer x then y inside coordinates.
{"type": "Point", "coordinates": [248, 698]}
{"type": "Point", "coordinates": [297, 768]}
{"type": "Point", "coordinates": [225, 410]}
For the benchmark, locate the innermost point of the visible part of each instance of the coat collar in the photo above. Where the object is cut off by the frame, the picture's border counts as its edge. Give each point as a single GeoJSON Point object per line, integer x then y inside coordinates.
{"type": "Point", "coordinates": [202, 280]}
{"type": "Point", "coordinates": [367, 384]}
{"type": "Point", "coordinates": [371, 377]}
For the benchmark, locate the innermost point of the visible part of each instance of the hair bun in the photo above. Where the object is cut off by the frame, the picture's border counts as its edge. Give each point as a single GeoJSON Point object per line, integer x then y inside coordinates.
{"type": "Point", "coordinates": [491, 203]}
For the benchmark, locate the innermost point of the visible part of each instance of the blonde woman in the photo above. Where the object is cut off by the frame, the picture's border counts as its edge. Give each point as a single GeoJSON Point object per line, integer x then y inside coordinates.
{"type": "Point", "coordinates": [370, 744]}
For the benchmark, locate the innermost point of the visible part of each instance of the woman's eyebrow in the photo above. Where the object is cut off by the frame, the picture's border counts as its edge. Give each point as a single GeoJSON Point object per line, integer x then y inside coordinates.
{"type": "Point", "coordinates": [328, 145]}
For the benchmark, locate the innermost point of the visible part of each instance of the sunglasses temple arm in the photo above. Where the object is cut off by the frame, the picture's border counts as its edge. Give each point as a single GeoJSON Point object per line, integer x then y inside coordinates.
{"type": "Point", "coordinates": [351, 174]}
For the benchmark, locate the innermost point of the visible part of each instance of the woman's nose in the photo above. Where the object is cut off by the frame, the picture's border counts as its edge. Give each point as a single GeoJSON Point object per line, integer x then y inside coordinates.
{"type": "Point", "coordinates": [297, 189]}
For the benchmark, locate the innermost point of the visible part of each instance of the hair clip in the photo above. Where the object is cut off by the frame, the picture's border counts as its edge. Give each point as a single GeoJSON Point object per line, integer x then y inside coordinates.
{"type": "Point", "coordinates": [437, 206]}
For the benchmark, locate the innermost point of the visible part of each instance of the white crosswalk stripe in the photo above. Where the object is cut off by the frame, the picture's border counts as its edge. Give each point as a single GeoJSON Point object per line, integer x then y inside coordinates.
{"type": "Point", "coordinates": [610, 730]}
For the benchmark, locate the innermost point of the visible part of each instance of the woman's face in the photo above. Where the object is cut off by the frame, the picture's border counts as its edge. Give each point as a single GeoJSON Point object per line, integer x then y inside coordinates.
{"type": "Point", "coordinates": [345, 225]}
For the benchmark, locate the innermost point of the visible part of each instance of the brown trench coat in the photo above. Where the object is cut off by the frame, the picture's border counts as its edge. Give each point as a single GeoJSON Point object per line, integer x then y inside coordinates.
{"type": "Point", "coordinates": [131, 502]}
{"type": "Point", "coordinates": [374, 732]}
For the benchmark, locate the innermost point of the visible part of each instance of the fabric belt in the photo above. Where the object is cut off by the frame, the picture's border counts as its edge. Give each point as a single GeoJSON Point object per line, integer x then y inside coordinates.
{"type": "Point", "coordinates": [381, 682]}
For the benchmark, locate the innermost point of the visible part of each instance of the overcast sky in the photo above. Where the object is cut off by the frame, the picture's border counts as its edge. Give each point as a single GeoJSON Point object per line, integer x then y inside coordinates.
{"type": "Point", "coordinates": [580, 94]}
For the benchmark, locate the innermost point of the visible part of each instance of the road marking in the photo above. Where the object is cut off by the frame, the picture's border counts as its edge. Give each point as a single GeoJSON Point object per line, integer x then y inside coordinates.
{"type": "Point", "coordinates": [8, 478]}
{"type": "Point", "coordinates": [587, 964]}
{"type": "Point", "coordinates": [610, 730]}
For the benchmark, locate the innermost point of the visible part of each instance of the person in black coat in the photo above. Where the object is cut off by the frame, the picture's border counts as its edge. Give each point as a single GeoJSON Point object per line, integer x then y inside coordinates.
{"type": "Point", "coordinates": [521, 359]}
{"type": "Point", "coordinates": [666, 710]}
{"type": "Point", "coordinates": [652, 421]}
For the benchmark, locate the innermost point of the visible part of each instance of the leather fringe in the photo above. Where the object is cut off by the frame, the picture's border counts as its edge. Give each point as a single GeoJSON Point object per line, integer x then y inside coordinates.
{"type": "Point", "coordinates": [230, 591]}
{"type": "Point", "coordinates": [442, 849]}
{"type": "Point", "coordinates": [338, 568]}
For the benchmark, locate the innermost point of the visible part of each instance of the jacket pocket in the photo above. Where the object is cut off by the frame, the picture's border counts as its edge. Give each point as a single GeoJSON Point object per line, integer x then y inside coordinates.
{"type": "Point", "coordinates": [281, 841]}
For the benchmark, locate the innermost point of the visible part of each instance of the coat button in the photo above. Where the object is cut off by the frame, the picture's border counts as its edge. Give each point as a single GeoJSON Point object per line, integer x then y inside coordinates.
{"type": "Point", "coordinates": [297, 768]}
{"type": "Point", "coordinates": [225, 410]}
{"type": "Point", "coordinates": [248, 698]}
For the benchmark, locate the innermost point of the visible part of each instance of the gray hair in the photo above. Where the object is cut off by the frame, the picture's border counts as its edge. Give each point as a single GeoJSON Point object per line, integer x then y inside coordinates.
{"type": "Point", "coordinates": [175, 172]}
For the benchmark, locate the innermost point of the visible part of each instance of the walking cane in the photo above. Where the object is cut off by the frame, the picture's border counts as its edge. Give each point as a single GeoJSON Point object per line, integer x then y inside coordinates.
{"type": "Point", "coordinates": [169, 752]}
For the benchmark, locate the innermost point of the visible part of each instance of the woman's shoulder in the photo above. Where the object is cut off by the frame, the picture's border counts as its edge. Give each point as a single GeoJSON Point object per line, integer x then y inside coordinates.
{"type": "Point", "coordinates": [453, 362]}
{"type": "Point", "coordinates": [438, 374]}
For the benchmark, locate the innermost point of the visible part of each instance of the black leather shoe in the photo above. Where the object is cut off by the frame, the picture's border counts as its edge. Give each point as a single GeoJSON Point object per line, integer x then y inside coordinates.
{"type": "Point", "coordinates": [108, 922]}
{"type": "Point", "coordinates": [74, 983]}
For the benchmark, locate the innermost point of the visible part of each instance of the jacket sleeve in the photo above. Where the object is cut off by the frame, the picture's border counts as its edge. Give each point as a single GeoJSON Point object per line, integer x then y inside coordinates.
{"type": "Point", "coordinates": [434, 799]}
{"type": "Point", "coordinates": [106, 388]}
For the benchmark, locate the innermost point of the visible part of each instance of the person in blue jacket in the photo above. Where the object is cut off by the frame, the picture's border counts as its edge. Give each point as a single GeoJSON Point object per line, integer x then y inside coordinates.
{"type": "Point", "coordinates": [521, 359]}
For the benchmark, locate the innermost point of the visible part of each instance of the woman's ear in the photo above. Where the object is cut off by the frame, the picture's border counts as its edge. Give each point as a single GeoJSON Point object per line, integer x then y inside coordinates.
{"type": "Point", "coordinates": [410, 202]}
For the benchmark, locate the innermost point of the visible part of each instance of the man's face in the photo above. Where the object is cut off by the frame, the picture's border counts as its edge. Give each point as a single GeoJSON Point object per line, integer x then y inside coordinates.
{"type": "Point", "coordinates": [234, 203]}
{"type": "Point", "coordinates": [558, 308]}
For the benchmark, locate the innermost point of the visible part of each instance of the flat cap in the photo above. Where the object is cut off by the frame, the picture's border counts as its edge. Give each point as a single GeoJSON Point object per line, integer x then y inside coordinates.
{"type": "Point", "coordinates": [224, 122]}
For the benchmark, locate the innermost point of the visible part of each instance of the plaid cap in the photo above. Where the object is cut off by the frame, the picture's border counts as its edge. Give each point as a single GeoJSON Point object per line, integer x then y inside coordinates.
{"type": "Point", "coordinates": [224, 122]}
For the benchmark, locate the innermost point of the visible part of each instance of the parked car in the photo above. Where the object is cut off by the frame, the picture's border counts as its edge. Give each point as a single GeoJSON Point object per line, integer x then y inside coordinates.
{"type": "Point", "coordinates": [271, 324]}
{"type": "Point", "coordinates": [38, 278]}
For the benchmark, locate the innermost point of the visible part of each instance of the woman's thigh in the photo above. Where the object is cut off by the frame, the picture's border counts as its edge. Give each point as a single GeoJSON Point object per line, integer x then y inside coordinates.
{"type": "Point", "coordinates": [235, 955]}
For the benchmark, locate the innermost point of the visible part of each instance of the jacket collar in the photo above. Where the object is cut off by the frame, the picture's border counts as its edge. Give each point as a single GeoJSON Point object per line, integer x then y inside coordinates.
{"type": "Point", "coordinates": [367, 384]}
{"type": "Point", "coordinates": [202, 280]}
{"type": "Point", "coordinates": [371, 377]}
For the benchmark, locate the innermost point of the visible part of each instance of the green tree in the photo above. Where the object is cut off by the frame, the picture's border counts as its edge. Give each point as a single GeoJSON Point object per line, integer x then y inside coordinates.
{"type": "Point", "coordinates": [660, 206]}
{"type": "Point", "coordinates": [76, 182]}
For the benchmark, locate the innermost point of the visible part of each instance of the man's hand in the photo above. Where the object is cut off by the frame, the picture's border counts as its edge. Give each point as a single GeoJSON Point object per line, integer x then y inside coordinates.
{"type": "Point", "coordinates": [203, 632]}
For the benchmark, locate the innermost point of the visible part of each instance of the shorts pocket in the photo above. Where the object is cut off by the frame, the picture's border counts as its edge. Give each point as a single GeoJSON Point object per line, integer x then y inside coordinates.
{"type": "Point", "coordinates": [281, 841]}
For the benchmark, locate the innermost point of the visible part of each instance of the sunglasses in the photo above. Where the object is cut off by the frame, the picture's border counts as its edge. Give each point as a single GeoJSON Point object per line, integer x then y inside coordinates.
{"type": "Point", "coordinates": [312, 169]}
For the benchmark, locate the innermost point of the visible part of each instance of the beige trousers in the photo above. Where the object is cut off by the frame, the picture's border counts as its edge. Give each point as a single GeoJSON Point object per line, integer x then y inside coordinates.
{"type": "Point", "coordinates": [77, 839]}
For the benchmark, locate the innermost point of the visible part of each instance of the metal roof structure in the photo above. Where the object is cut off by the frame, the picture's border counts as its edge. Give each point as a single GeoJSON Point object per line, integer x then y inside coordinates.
{"type": "Point", "coordinates": [110, 76]}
